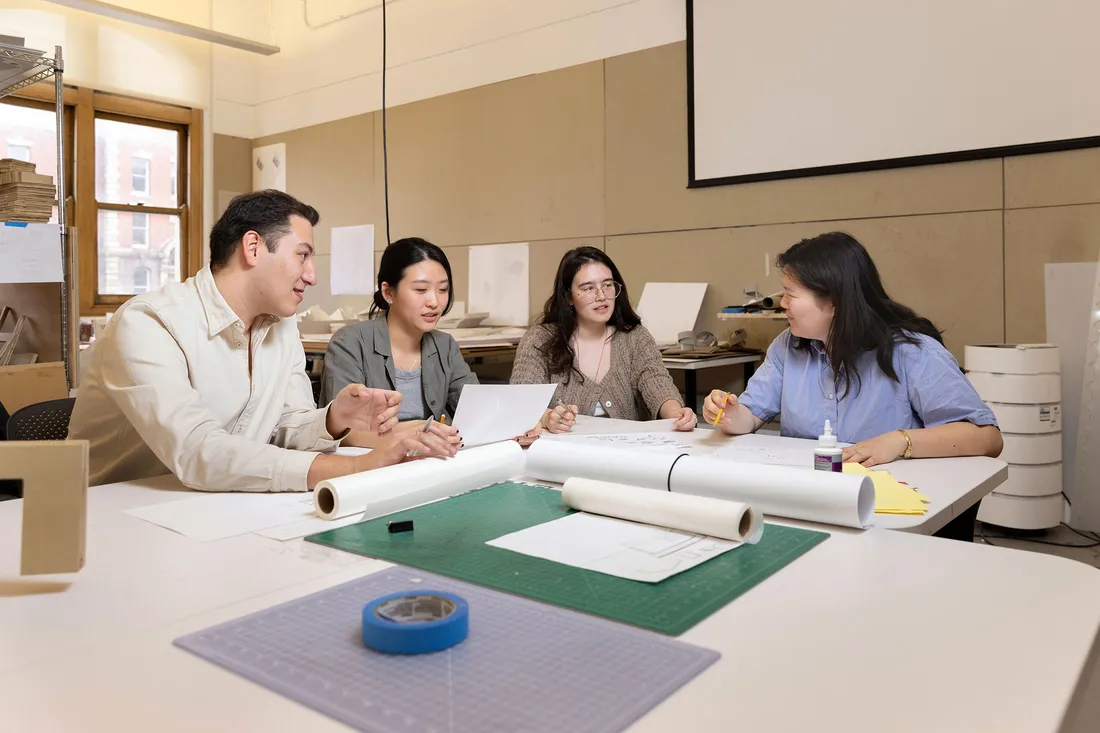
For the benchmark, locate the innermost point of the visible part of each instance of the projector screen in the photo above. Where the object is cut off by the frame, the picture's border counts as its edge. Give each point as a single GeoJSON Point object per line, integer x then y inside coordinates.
{"type": "Point", "coordinates": [787, 89]}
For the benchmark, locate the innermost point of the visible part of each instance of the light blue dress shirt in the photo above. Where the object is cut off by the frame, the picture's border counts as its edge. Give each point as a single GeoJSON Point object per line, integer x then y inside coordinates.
{"type": "Point", "coordinates": [799, 385]}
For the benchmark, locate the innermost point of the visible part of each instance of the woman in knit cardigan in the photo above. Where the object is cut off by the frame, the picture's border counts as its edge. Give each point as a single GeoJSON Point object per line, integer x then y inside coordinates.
{"type": "Point", "coordinates": [592, 343]}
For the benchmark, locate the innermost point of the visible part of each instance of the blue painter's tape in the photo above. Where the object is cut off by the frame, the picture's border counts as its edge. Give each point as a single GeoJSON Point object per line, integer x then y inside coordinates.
{"type": "Point", "coordinates": [415, 622]}
{"type": "Point", "coordinates": [21, 224]}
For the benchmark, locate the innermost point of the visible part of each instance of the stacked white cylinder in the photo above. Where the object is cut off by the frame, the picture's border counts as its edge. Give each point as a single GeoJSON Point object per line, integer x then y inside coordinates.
{"type": "Point", "coordinates": [1022, 384]}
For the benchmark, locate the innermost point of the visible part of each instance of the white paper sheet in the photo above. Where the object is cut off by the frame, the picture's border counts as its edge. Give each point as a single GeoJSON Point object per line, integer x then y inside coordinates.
{"type": "Point", "coordinates": [489, 413]}
{"type": "Point", "coordinates": [615, 547]}
{"type": "Point", "coordinates": [588, 425]}
{"type": "Point", "coordinates": [396, 488]}
{"type": "Point", "coordinates": [211, 517]}
{"type": "Point", "coordinates": [768, 449]}
{"type": "Point", "coordinates": [352, 263]}
{"type": "Point", "coordinates": [30, 254]}
{"type": "Point", "coordinates": [669, 308]}
{"type": "Point", "coordinates": [659, 441]}
{"type": "Point", "coordinates": [846, 500]}
{"type": "Point", "coordinates": [499, 283]}
{"type": "Point", "coordinates": [269, 167]}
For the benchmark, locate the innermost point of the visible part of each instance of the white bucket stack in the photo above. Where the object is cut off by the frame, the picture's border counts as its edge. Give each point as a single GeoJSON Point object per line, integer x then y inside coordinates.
{"type": "Point", "coordinates": [1022, 384]}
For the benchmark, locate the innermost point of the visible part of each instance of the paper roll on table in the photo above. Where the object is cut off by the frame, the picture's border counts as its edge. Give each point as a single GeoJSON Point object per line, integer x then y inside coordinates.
{"type": "Point", "coordinates": [729, 520]}
{"type": "Point", "coordinates": [396, 488]}
{"type": "Point", "coordinates": [815, 496]}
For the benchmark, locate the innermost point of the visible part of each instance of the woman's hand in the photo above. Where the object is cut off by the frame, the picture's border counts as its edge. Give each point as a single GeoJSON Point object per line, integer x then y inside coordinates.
{"type": "Point", "coordinates": [448, 433]}
{"type": "Point", "coordinates": [561, 419]}
{"type": "Point", "coordinates": [686, 421]}
{"type": "Point", "coordinates": [394, 449]}
{"type": "Point", "coordinates": [876, 451]}
{"type": "Point", "coordinates": [529, 437]}
{"type": "Point", "coordinates": [719, 401]}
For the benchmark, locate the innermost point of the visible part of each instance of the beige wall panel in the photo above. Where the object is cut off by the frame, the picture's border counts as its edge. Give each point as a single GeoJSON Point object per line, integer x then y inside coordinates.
{"type": "Point", "coordinates": [512, 162]}
{"type": "Point", "coordinates": [647, 168]}
{"type": "Point", "coordinates": [1053, 179]}
{"type": "Point", "coordinates": [232, 167]}
{"type": "Point", "coordinates": [935, 264]}
{"type": "Point", "coordinates": [1034, 237]}
{"type": "Point", "coordinates": [331, 167]}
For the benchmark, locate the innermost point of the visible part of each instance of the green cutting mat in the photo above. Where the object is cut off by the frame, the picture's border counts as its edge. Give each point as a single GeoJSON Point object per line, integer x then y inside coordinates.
{"type": "Point", "coordinates": [449, 538]}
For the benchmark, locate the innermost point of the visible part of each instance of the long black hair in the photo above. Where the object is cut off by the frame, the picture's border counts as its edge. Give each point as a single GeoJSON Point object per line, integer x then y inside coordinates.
{"type": "Point", "coordinates": [560, 318]}
{"type": "Point", "coordinates": [398, 257]}
{"type": "Point", "coordinates": [836, 267]}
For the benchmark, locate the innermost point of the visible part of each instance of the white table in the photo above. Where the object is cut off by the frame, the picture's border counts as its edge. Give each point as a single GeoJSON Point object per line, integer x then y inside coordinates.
{"type": "Point", "coordinates": [691, 368]}
{"type": "Point", "coordinates": [874, 631]}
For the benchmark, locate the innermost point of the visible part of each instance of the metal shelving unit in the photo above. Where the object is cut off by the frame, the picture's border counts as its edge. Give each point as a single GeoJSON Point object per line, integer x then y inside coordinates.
{"type": "Point", "coordinates": [20, 68]}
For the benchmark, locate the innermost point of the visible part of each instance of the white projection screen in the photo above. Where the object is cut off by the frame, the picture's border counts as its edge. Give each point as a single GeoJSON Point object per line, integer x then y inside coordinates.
{"type": "Point", "coordinates": [808, 87]}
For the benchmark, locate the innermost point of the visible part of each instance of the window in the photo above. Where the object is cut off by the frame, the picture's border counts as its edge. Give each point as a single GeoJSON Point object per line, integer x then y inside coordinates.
{"type": "Point", "coordinates": [140, 207]}
{"type": "Point", "coordinates": [139, 175]}
{"type": "Point", "coordinates": [28, 132]}
{"type": "Point", "coordinates": [139, 230]}
{"type": "Point", "coordinates": [141, 280]}
{"type": "Point", "coordinates": [20, 152]}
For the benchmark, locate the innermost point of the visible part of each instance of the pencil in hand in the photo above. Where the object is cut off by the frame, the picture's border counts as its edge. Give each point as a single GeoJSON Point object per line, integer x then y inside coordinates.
{"type": "Point", "coordinates": [721, 410]}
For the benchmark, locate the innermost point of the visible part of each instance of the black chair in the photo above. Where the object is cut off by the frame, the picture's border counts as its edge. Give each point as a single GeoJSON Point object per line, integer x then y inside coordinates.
{"type": "Point", "coordinates": [42, 421]}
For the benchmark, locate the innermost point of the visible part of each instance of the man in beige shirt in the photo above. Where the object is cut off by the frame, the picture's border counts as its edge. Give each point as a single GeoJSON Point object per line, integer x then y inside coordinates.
{"type": "Point", "coordinates": [206, 379]}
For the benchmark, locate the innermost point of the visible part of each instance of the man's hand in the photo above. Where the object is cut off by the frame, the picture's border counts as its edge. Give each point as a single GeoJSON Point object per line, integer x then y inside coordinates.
{"type": "Point", "coordinates": [361, 408]}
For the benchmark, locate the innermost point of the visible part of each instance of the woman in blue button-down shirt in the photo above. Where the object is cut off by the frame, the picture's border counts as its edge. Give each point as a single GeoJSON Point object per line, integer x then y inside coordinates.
{"type": "Point", "coordinates": [871, 366]}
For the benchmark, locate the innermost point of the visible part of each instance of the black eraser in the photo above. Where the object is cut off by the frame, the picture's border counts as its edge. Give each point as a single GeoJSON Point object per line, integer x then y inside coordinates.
{"type": "Point", "coordinates": [403, 526]}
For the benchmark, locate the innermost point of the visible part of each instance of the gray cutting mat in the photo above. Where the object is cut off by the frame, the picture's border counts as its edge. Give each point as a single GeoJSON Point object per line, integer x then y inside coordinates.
{"type": "Point", "coordinates": [525, 666]}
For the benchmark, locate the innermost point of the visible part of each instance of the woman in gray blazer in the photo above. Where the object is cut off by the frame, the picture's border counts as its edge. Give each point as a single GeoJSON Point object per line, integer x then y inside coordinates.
{"type": "Point", "coordinates": [398, 348]}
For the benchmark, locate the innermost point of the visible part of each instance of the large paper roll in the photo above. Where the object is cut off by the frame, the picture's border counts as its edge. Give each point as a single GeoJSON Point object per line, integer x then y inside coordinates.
{"type": "Point", "coordinates": [1019, 389]}
{"type": "Point", "coordinates": [844, 499]}
{"type": "Point", "coordinates": [395, 488]}
{"type": "Point", "coordinates": [1028, 419]}
{"type": "Point", "coordinates": [1022, 512]}
{"type": "Point", "coordinates": [1012, 358]}
{"type": "Point", "coordinates": [728, 520]}
{"type": "Point", "coordinates": [560, 460]}
{"type": "Point", "coordinates": [1044, 480]}
{"type": "Point", "coordinates": [1031, 449]}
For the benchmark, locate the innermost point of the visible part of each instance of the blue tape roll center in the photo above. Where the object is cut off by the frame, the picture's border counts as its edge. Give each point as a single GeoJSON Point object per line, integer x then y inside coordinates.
{"type": "Point", "coordinates": [415, 622]}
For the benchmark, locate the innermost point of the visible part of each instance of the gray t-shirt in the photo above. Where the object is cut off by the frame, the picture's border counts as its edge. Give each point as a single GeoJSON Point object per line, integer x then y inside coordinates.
{"type": "Point", "coordinates": [412, 394]}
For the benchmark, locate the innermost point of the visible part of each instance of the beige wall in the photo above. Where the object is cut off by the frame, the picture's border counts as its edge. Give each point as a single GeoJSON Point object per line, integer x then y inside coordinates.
{"type": "Point", "coordinates": [597, 154]}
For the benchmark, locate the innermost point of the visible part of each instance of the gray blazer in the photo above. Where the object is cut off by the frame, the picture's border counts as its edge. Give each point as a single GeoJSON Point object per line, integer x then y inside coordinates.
{"type": "Point", "coordinates": [360, 353]}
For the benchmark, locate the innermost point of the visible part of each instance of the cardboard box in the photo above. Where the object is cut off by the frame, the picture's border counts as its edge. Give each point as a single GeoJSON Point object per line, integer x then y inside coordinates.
{"type": "Point", "coordinates": [27, 384]}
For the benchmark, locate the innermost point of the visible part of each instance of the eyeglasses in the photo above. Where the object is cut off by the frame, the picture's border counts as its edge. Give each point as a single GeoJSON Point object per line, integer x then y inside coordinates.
{"type": "Point", "coordinates": [609, 288]}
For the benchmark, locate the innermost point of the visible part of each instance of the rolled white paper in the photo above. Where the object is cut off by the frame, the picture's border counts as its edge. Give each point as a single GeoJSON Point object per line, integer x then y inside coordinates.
{"type": "Point", "coordinates": [729, 520]}
{"type": "Point", "coordinates": [843, 499]}
{"type": "Point", "coordinates": [396, 488]}
{"type": "Point", "coordinates": [559, 460]}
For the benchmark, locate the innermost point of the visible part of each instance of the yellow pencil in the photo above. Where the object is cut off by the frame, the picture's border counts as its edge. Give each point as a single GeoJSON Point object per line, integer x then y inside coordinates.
{"type": "Point", "coordinates": [443, 420]}
{"type": "Point", "coordinates": [721, 410]}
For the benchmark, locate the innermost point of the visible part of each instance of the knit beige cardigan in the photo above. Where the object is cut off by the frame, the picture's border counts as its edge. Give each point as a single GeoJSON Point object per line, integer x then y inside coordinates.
{"type": "Point", "coordinates": [634, 388]}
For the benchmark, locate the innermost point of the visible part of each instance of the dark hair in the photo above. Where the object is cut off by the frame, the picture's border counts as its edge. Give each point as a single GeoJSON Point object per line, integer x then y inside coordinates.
{"type": "Point", "coordinates": [401, 255]}
{"type": "Point", "coordinates": [836, 266]}
{"type": "Point", "coordinates": [265, 212]}
{"type": "Point", "coordinates": [559, 315]}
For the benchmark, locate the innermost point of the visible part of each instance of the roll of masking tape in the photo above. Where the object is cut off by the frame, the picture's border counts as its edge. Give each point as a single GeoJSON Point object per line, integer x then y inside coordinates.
{"type": "Point", "coordinates": [415, 622]}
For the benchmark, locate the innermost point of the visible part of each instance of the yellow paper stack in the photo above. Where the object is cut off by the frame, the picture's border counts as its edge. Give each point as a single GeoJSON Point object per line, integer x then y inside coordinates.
{"type": "Point", "coordinates": [891, 497]}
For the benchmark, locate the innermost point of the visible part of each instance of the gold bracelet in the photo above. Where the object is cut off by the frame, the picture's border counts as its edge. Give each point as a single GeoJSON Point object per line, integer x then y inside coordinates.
{"type": "Point", "coordinates": [908, 444]}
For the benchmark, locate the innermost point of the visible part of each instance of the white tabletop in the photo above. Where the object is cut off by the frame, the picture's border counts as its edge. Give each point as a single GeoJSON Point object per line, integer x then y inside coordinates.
{"type": "Point", "coordinates": [876, 631]}
{"type": "Point", "coordinates": [710, 362]}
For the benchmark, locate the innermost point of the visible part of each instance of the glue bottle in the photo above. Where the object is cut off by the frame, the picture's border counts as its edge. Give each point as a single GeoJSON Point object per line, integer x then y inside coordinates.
{"type": "Point", "coordinates": [827, 456]}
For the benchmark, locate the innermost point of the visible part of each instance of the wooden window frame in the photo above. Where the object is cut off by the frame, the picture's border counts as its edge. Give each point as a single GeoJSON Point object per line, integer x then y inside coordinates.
{"type": "Point", "coordinates": [83, 105]}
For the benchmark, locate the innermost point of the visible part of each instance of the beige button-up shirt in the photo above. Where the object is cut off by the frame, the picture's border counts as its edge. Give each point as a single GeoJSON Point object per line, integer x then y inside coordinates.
{"type": "Point", "coordinates": [168, 388]}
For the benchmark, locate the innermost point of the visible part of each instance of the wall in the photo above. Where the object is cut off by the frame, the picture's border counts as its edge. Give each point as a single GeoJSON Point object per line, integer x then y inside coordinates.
{"type": "Point", "coordinates": [596, 154]}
